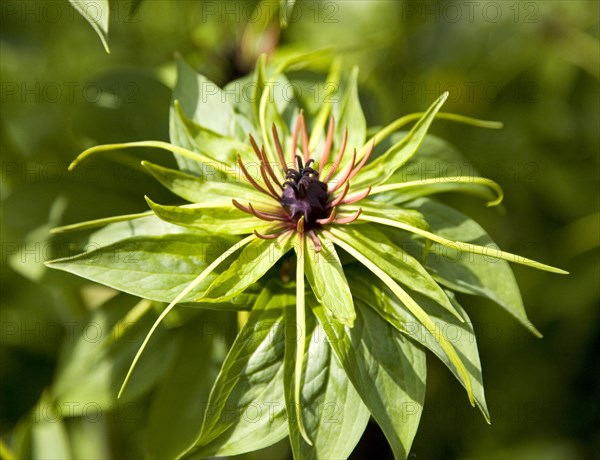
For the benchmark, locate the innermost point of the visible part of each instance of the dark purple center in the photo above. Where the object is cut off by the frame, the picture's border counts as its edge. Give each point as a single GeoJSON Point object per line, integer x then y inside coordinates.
{"type": "Point", "coordinates": [305, 195]}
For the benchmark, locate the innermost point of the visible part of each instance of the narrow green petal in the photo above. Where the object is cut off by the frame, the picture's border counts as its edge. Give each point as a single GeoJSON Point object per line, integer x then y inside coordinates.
{"type": "Point", "coordinates": [153, 144]}
{"type": "Point", "coordinates": [99, 222]}
{"type": "Point", "coordinates": [465, 247]}
{"type": "Point", "coordinates": [177, 299]}
{"type": "Point", "coordinates": [301, 328]}
{"type": "Point", "coordinates": [442, 184]}
{"type": "Point", "coordinates": [382, 168]}
{"type": "Point", "coordinates": [398, 123]}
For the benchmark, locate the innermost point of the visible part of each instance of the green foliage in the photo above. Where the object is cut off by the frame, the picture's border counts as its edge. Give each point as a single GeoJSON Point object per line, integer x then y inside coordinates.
{"type": "Point", "coordinates": [240, 343]}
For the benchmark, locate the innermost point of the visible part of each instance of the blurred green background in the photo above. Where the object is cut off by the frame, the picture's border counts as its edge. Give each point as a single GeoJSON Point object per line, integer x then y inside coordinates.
{"type": "Point", "coordinates": [534, 65]}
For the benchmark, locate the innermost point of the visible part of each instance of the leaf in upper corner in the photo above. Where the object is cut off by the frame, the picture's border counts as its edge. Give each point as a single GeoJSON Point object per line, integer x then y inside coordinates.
{"type": "Point", "coordinates": [218, 146]}
{"type": "Point", "coordinates": [348, 114]}
{"type": "Point", "coordinates": [287, 8]}
{"type": "Point", "coordinates": [203, 101]}
{"type": "Point", "coordinates": [97, 13]}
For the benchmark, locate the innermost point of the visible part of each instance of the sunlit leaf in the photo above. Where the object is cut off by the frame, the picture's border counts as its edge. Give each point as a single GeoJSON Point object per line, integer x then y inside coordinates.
{"type": "Point", "coordinates": [221, 147]}
{"type": "Point", "coordinates": [348, 244]}
{"type": "Point", "coordinates": [387, 370]}
{"type": "Point", "coordinates": [220, 217]}
{"type": "Point", "coordinates": [152, 267]}
{"type": "Point", "coordinates": [379, 170]}
{"type": "Point", "coordinates": [253, 261]}
{"type": "Point", "coordinates": [201, 189]}
{"type": "Point", "coordinates": [348, 114]}
{"type": "Point", "coordinates": [326, 277]}
{"type": "Point", "coordinates": [460, 332]}
{"type": "Point", "coordinates": [471, 273]}
{"type": "Point", "coordinates": [246, 407]}
{"type": "Point", "coordinates": [333, 413]}
{"type": "Point", "coordinates": [286, 7]}
{"type": "Point", "coordinates": [97, 13]}
{"type": "Point", "coordinates": [397, 263]}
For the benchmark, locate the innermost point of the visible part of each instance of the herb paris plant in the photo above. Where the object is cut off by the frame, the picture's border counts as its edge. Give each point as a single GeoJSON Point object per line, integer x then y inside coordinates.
{"type": "Point", "coordinates": [260, 183]}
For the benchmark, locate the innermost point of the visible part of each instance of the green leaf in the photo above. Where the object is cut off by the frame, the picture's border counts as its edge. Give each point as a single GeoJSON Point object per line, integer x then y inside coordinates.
{"type": "Point", "coordinates": [387, 370]}
{"type": "Point", "coordinates": [381, 169]}
{"type": "Point", "coordinates": [470, 248]}
{"type": "Point", "coordinates": [246, 407]}
{"type": "Point", "coordinates": [460, 332]}
{"type": "Point", "coordinates": [49, 435]}
{"type": "Point", "coordinates": [397, 263]}
{"type": "Point", "coordinates": [325, 106]}
{"type": "Point", "coordinates": [202, 189]}
{"type": "Point", "coordinates": [341, 240]}
{"type": "Point", "coordinates": [123, 220]}
{"type": "Point", "coordinates": [155, 227]}
{"type": "Point", "coordinates": [466, 272]}
{"type": "Point", "coordinates": [217, 218]}
{"type": "Point", "coordinates": [201, 162]}
{"type": "Point", "coordinates": [258, 86]}
{"type": "Point", "coordinates": [253, 261]}
{"type": "Point", "coordinates": [203, 101]}
{"type": "Point", "coordinates": [97, 13]}
{"type": "Point", "coordinates": [436, 167]}
{"type": "Point", "coordinates": [332, 411]}
{"type": "Point", "coordinates": [348, 114]}
{"type": "Point", "coordinates": [152, 267]}
{"type": "Point", "coordinates": [178, 407]}
{"type": "Point", "coordinates": [93, 364]}
{"type": "Point", "coordinates": [395, 125]}
{"type": "Point", "coordinates": [328, 282]}
{"type": "Point", "coordinates": [189, 288]}
{"type": "Point", "coordinates": [222, 148]}
{"type": "Point", "coordinates": [88, 437]}
{"type": "Point", "coordinates": [117, 228]}
{"type": "Point", "coordinates": [434, 158]}
{"type": "Point", "coordinates": [375, 208]}
{"type": "Point", "coordinates": [406, 191]}
{"type": "Point", "coordinates": [205, 104]}
{"type": "Point", "coordinates": [277, 108]}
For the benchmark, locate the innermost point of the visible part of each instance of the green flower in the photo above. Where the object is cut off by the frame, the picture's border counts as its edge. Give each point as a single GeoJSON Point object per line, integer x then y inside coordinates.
{"type": "Point", "coordinates": [271, 207]}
